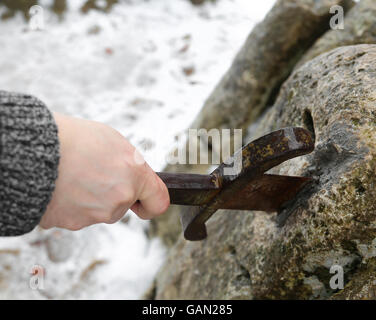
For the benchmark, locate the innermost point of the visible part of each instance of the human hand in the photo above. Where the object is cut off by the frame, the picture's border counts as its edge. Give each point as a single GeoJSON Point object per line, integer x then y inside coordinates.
{"type": "Point", "coordinates": [100, 177]}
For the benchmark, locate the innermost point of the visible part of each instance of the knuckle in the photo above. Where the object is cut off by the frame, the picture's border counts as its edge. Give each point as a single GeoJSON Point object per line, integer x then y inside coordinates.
{"type": "Point", "coordinates": [122, 195]}
{"type": "Point", "coordinates": [125, 146]}
{"type": "Point", "coordinates": [113, 219]}
{"type": "Point", "coordinates": [108, 219]}
{"type": "Point", "coordinates": [102, 216]}
{"type": "Point", "coordinates": [105, 217]}
{"type": "Point", "coordinates": [74, 227]}
{"type": "Point", "coordinates": [128, 198]}
{"type": "Point", "coordinates": [143, 216]}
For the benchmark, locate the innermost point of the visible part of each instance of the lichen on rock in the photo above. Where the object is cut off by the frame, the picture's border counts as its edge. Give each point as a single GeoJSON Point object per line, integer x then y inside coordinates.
{"type": "Point", "coordinates": [266, 59]}
{"type": "Point", "coordinates": [333, 221]}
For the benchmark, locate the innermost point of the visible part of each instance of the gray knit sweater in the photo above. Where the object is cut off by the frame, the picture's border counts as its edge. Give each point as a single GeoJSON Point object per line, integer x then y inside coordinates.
{"type": "Point", "coordinates": [29, 157]}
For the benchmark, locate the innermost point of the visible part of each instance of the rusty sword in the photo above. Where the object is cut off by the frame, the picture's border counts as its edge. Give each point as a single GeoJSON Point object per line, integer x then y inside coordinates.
{"type": "Point", "coordinates": [248, 189]}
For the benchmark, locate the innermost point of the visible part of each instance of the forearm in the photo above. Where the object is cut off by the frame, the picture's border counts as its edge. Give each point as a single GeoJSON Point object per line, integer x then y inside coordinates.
{"type": "Point", "coordinates": [29, 157]}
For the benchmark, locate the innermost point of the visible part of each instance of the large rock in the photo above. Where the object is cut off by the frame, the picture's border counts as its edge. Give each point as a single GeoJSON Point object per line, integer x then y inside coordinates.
{"type": "Point", "coordinates": [266, 59]}
{"type": "Point", "coordinates": [359, 28]}
{"type": "Point", "coordinates": [332, 222]}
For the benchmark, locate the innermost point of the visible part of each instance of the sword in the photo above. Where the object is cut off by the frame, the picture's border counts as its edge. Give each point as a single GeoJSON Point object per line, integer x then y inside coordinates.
{"type": "Point", "coordinates": [249, 189]}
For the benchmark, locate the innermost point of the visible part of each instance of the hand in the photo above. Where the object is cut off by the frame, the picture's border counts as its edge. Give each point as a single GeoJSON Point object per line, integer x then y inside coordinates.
{"type": "Point", "coordinates": [100, 178]}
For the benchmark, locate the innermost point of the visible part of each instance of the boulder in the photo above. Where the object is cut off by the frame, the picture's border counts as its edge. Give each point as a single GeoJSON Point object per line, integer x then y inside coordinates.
{"type": "Point", "coordinates": [332, 222]}
{"type": "Point", "coordinates": [359, 28]}
{"type": "Point", "coordinates": [266, 59]}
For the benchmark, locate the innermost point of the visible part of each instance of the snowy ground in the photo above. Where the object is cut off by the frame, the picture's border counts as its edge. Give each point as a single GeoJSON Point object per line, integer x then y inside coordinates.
{"type": "Point", "coordinates": [145, 69]}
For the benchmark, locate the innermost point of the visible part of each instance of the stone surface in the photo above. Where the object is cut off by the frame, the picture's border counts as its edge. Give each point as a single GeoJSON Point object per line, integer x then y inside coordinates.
{"type": "Point", "coordinates": [250, 85]}
{"type": "Point", "coordinates": [359, 28]}
{"type": "Point", "coordinates": [332, 222]}
{"type": "Point", "coordinates": [266, 59]}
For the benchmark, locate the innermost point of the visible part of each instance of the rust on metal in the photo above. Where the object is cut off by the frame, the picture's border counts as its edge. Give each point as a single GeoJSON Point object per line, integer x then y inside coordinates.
{"type": "Point", "coordinates": [190, 189]}
{"type": "Point", "coordinates": [248, 189]}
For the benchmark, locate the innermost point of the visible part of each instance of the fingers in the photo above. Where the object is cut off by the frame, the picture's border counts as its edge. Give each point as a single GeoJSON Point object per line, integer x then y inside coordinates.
{"type": "Point", "coordinates": [117, 215]}
{"type": "Point", "coordinates": [153, 199]}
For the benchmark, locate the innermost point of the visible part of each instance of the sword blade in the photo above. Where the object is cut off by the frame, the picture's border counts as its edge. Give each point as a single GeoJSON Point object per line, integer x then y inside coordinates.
{"type": "Point", "coordinates": [266, 193]}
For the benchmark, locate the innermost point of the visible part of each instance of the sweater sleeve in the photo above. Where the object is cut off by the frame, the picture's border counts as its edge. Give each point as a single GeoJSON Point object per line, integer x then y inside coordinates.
{"type": "Point", "coordinates": [29, 157]}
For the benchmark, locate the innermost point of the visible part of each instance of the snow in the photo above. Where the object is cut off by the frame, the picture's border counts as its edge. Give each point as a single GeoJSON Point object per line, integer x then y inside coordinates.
{"type": "Point", "coordinates": [145, 69]}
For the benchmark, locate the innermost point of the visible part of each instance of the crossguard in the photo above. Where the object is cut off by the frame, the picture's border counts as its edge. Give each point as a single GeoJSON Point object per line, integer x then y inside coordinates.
{"type": "Point", "coordinates": [249, 189]}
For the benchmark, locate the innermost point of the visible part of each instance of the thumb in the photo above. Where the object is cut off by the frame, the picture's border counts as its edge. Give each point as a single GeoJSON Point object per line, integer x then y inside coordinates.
{"type": "Point", "coordinates": [153, 199]}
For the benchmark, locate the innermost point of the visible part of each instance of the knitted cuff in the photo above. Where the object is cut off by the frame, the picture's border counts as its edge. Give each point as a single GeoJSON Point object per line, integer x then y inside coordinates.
{"type": "Point", "coordinates": [29, 158]}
